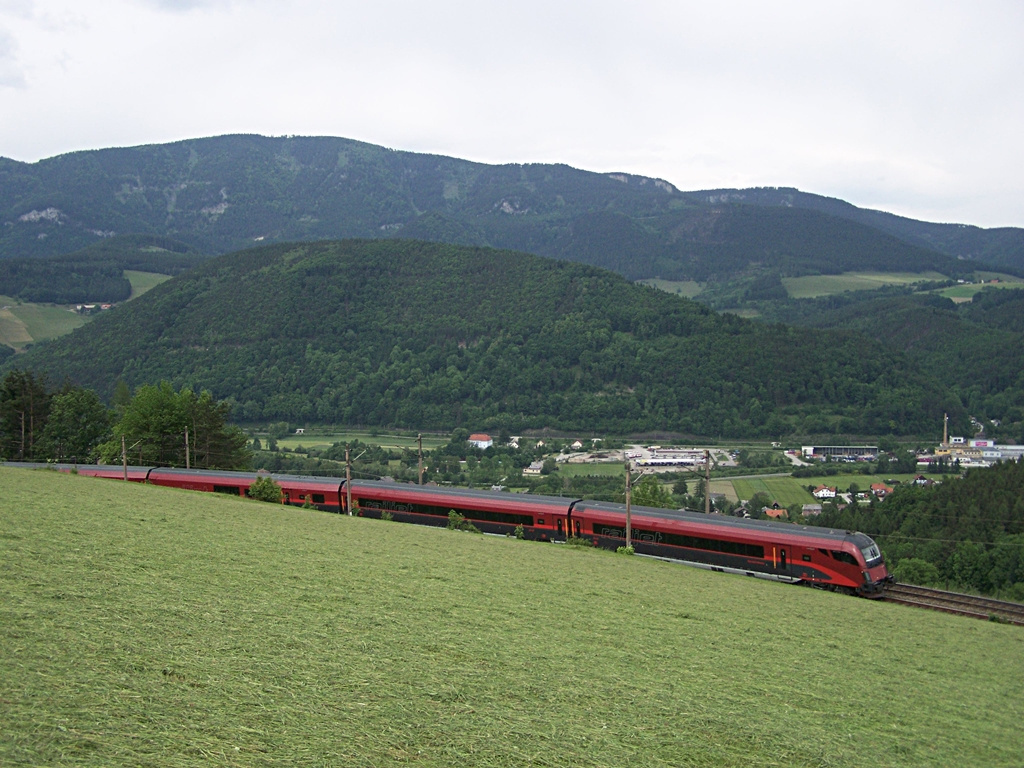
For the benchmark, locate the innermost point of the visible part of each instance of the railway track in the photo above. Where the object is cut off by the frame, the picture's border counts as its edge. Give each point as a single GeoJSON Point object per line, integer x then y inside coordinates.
{"type": "Point", "coordinates": [952, 602]}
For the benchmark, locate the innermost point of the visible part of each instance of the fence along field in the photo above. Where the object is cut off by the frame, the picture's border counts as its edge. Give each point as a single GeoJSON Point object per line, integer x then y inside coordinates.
{"type": "Point", "coordinates": [149, 625]}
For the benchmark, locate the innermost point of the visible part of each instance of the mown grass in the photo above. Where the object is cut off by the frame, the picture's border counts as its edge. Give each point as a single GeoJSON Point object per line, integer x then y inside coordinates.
{"type": "Point", "coordinates": [785, 490]}
{"type": "Point", "coordinates": [824, 285]}
{"type": "Point", "coordinates": [602, 469]}
{"type": "Point", "coordinates": [148, 626]}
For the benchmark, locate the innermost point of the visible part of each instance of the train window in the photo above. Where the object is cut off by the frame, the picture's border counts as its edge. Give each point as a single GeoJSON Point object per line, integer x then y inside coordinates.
{"type": "Point", "coordinates": [844, 557]}
{"type": "Point", "coordinates": [318, 498]}
{"type": "Point", "coordinates": [559, 526]}
{"type": "Point", "coordinates": [871, 554]}
{"type": "Point", "coordinates": [227, 489]}
{"type": "Point", "coordinates": [540, 521]}
{"type": "Point", "coordinates": [807, 558]}
{"type": "Point", "coordinates": [429, 509]}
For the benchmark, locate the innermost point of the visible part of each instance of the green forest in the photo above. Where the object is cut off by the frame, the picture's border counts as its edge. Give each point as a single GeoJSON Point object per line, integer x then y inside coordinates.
{"type": "Point", "coordinates": [431, 336]}
{"type": "Point", "coordinates": [975, 348]}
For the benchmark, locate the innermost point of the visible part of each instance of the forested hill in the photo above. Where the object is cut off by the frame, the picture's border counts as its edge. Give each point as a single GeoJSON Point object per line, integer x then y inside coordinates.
{"type": "Point", "coordinates": [230, 192]}
{"type": "Point", "coordinates": [1000, 246]}
{"type": "Point", "coordinates": [425, 335]}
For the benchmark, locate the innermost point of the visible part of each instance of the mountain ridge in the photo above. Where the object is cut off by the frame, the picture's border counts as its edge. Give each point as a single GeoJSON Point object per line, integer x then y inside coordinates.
{"type": "Point", "coordinates": [226, 193]}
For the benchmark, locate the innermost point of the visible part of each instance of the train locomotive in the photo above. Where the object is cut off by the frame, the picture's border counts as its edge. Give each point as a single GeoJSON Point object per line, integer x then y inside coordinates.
{"type": "Point", "coordinates": [842, 561]}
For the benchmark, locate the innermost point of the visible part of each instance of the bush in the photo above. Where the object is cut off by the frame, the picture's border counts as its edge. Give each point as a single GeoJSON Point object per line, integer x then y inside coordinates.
{"type": "Point", "coordinates": [579, 541]}
{"type": "Point", "coordinates": [266, 489]}
{"type": "Point", "coordinates": [386, 516]}
{"type": "Point", "coordinates": [914, 570]}
{"type": "Point", "coordinates": [520, 532]}
{"type": "Point", "coordinates": [458, 522]}
{"type": "Point", "coordinates": [626, 551]}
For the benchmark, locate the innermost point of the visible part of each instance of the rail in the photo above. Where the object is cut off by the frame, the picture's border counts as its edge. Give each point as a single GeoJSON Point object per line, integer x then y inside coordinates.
{"type": "Point", "coordinates": [953, 602]}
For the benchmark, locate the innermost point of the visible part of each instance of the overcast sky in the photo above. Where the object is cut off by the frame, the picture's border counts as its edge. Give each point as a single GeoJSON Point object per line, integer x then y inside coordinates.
{"type": "Point", "coordinates": [911, 107]}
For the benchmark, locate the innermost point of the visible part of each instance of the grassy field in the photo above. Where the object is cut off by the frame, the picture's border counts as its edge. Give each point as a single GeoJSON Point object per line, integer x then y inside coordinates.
{"type": "Point", "coordinates": [961, 293]}
{"type": "Point", "coordinates": [785, 490]}
{"type": "Point", "coordinates": [327, 439]}
{"type": "Point", "coordinates": [604, 469]}
{"type": "Point", "coordinates": [143, 281]}
{"type": "Point", "coordinates": [22, 324]}
{"type": "Point", "coordinates": [825, 285]}
{"type": "Point", "coordinates": [148, 626]}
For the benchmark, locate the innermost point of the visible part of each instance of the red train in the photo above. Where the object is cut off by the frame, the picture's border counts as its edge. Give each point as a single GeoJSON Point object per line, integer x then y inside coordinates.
{"type": "Point", "coordinates": [843, 561]}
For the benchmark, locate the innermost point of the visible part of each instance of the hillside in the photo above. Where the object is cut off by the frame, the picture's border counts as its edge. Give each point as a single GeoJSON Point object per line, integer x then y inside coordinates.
{"type": "Point", "coordinates": [226, 193]}
{"type": "Point", "coordinates": [210, 629]}
{"type": "Point", "coordinates": [1000, 246]}
{"type": "Point", "coordinates": [422, 335]}
{"type": "Point", "coordinates": [976, 348]}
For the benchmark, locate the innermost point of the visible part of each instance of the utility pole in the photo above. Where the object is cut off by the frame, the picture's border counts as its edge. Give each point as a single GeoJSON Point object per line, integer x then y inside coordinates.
{"type": "Point", "coordinates": [186, 450]}
{"type": "Point", "coordinates": [707, 482]}
{"type": "Point", "coordinates": [419, 440]}
{"type": "Point", "coordinates": [124, 458]}
{"type": "Point", "coordinates": [348, 482]}
{"type": "Point", "coordinates": [629, 518]}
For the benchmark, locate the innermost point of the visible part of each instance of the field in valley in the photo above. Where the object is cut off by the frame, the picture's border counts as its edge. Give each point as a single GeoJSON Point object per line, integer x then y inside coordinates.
{"type": "Point", "coordinates": [812, 286]}
{"type": "Point", "coordinates": [23, 323]}
{"type": "Point", "coordinates": [150, 626]}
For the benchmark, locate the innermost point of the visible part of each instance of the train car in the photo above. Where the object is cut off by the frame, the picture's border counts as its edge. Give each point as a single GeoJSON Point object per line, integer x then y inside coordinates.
{"type": "Point", "coordinates": [110, 471]}
{"type": "Point", "coordinates": [543, 518]}
{"type": "Point", "coordinates": [324, 493]}
{"type": "Point", "coordinates": [843, 561]}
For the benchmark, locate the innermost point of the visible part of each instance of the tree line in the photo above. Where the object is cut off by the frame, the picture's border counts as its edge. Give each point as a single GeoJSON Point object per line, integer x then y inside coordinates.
{"type": "Point", "coordinates": [154, 426]}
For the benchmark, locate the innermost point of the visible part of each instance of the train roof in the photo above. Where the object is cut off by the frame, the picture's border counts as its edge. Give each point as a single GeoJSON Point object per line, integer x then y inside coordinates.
{"type": "Point", "coordinates": [723, 521]}
{"type": "Point", "coordinates": [441, 495]}
{"type": "Point", "coordinates": [233, 476]}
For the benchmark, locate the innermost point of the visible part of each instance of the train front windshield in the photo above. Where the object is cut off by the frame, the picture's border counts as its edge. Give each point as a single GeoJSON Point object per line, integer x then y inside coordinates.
{"type": "Point", "coordinates": [872, 555]}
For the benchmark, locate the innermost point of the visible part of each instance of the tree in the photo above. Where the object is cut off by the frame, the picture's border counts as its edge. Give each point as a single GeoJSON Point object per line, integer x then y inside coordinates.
{"type": "Point", "coordinates": [24, 407]}
{"type": "Point", "coordinates": [651, 493]}
{"type": "Point", "coordinates": [265, 488]}
{"type": "Point", "coordinates": [914, 570]}
{"type": "Point", "coordinates": [154, 425]}
{"type": "Point", "coordinates": [78, 422]}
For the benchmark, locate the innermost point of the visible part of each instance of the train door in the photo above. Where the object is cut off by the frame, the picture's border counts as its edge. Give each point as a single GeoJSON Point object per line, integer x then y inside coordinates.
{"type": "Point", "coordinates": [781, 560]}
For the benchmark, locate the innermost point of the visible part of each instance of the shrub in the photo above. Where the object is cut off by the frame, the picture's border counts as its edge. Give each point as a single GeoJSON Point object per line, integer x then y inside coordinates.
{"type": "Point", "coordinates": [520, 532]}
{"type": "Point", "coordinates": [266, 489]}
{"type": "Point", "coordinates": [458, 522]}
{"type": "Point", "coordinates": [914, 570]}
{"type": "Point", "coordinates": [579, 541]}
{"type": "Point", "coordinates": [386, 516]}
{"type": "Point", "coordinates": [626, 551]}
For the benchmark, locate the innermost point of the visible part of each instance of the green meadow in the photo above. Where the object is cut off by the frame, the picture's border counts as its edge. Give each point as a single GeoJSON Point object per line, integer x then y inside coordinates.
{"type": "Point", "coordinates": [325, 439]}
{"type": "Point", "coordinates": [150, 626]}
{"type": "Point", "coordinates": [812, 286]}
{"type": "Point", "coordinates": [24, 323]}
{"type": "Point", "coordinates": [785, 490]}
{"type": "Point", "coordinates": [143, 281]}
